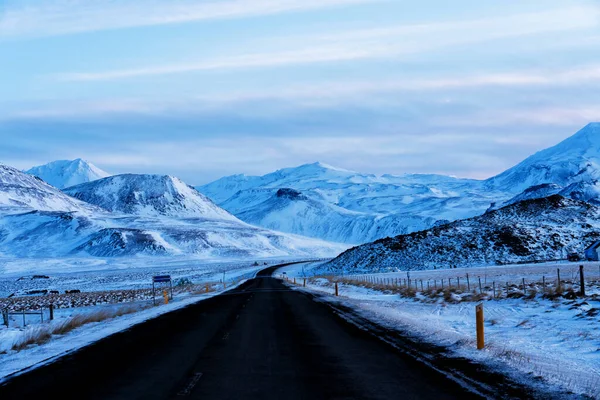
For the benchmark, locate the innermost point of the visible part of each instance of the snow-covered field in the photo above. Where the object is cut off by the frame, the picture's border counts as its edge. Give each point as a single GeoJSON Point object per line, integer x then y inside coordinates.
{"type": "Point", "coordinates": [96, 274]}
{"type": "Point", "coordinates": [98, 277]}
{"type": "Point", "coordinates": [557, 340]}
{"type": "Point", "coordinates": [14, 362]}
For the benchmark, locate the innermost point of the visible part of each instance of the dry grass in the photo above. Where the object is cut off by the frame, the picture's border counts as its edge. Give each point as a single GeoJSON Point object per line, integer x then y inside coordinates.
{"type": "Point", "coordinates": [41, 334]}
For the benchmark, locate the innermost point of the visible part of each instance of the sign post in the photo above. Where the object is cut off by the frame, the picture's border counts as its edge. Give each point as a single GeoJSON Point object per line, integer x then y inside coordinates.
{"type": "Point", "coordinates": [161, 279]}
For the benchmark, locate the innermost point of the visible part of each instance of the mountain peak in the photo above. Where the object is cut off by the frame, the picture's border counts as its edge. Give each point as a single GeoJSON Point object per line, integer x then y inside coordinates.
{"type": "Point", "coordinates": [324, 166]}
{"type": "Point", "coordinates": [574, 159]}
{"type": "Point", "coordinates": [65, 173]}
{"type": "Point", "coordinates": [148, 195]}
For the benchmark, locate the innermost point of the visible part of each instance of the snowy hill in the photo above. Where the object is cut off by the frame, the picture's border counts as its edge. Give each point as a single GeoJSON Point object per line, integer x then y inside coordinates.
{"type": "Point", "coordinates": [322, 219]}
{"type": "Point", "coordinates": [148, 195]}
{"type": "Point", "coordinates": [25, 192]}
{"type": "Point", "coordinates": [342, 205]}
{"type": "Point", "coordinates": [65, 173]}
{"type": "Point", "coordinates": [133, 215]}
{"type": "Point", "coordinates": [532, 230]}
{"type": "Point", "coordinates": [576, 159]}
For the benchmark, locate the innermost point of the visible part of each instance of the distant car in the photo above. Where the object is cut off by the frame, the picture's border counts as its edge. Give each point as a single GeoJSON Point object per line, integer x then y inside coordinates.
{"type": "Point", "coordinates": [573, 257]}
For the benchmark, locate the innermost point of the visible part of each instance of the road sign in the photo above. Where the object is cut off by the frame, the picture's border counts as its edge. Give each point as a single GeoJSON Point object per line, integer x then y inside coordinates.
{"type": "Point", "coordinates": [161, 278]}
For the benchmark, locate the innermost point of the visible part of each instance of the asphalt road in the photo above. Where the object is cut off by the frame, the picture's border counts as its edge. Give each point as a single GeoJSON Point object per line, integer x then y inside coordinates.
{"type": "Point", "coordinates": [259, 341]}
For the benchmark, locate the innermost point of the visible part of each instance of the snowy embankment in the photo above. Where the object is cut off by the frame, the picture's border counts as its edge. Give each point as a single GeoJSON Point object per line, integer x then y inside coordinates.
{"type": "Point", "coordinates": [548, 334]}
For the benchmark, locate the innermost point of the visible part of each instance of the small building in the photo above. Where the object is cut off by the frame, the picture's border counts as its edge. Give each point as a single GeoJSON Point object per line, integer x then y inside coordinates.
{"type": "Point", "coordinates": [591, 253]}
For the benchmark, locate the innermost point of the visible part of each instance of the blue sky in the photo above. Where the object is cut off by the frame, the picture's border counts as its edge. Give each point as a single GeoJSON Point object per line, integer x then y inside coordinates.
{"type": "Point", "coordinates": [202, 89]}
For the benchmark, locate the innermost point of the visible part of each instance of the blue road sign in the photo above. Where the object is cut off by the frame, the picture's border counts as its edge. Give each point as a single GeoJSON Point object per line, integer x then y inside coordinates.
{"type": "Point", "coordinates": [161, 278]}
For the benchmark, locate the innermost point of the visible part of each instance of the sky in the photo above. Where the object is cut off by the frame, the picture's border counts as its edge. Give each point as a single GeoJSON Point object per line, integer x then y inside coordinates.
{"type": "Point", "coordinates": [202, 89]}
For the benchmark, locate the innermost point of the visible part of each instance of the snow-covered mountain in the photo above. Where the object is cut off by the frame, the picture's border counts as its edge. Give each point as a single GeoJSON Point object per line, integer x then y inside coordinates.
{"type": "Point", "coordinates": [322, 219]}
{"type": "Point", "coordinates": [346, 206]}
{"type": "Point", "coordinates": [148, 195]}
{"type": "Point", "coordinates": [531, 230]}
{"type": "Point", "coordinates": [65, 173]}
{"type": "Point", "coordinates": [25, 192]}
{"type": "Point", "coordinates": [132, 215]}
{"type": "Point", "coordinates": [341, 205]}
{"type": "Point", "coordinates": [575, 159]}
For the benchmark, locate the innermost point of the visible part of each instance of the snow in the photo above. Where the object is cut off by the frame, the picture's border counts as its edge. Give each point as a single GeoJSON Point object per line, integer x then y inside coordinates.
{"type": "Point", "coordinates": [20, 191]}
{"type": "Point", "coordinates": [555, 340]}
{"type": "Point", "coordinates": [65, 173]}
{"type": "Point", "coordinates": [361, 208]}
{"type": "Point", "coordinates": [573, 160]}
{"type": "Point", "coordinates": [345, 206]}
{"type": "Point", "coordinates": [131, 215]}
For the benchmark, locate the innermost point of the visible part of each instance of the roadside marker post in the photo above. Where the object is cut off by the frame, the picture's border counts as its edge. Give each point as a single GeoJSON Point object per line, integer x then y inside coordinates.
{"type": "Point", "coordinates": [166, 296]}
{"type": "Point", "coordinates": [337, 293]}
{"type": "Point", "coordinates": [304, 284]}
{"type": "Point", "coordinates": [479, 323]}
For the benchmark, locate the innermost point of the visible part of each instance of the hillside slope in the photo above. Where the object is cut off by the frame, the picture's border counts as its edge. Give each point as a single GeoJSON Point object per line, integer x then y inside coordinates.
{"type": "Point", "coordinates": [531, 230]}
{"type": "Point", "coordinates": [341, 205]}
{"type": "Point", "coordinates": [148, 195]}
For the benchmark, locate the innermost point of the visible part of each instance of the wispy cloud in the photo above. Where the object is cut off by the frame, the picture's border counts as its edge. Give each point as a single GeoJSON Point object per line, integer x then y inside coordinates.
{"type": "Point", "coordinates": [372, 43]}
{"type": "Point", "coordinates": [58, 17]}
{"type": "Point", "coordinates": [320, 95]}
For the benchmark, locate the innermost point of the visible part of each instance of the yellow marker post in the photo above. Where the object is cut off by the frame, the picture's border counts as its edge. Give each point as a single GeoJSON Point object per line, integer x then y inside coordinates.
{"type": "Point", "coordinates": [166, 296]}
{"type": "Point", "coordinates": [207, 289]}
{"type": "Point", "coordinates": [479, 320]}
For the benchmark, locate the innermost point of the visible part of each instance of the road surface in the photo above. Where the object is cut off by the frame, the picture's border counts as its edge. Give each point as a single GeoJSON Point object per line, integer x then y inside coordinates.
{"type": "Point", "coordinates": [259, 341]}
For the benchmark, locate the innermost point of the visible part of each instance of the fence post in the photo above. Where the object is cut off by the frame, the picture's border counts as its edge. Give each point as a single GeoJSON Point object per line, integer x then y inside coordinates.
{"type": "Point", "coordinates": [421, 285]}
{"type": "Point", "coordinates": [336, 289]}
{"type": "Point", "coordinates": [558, 274]}
{"type": "Point", "coordinates": [524, 288]}
{"type": "Point", "coordinates": [544, 283]}
{"type": "Point", "coordinates": [582, 281]}
{"type": "Point", "coordinates": [480, 289]}
{"type": "Point", "coordinates": [294, 280]}
{"type": "Point", "coordinates": [5, 316]}
{"type": "Point", "coordinates": [468, 284]}
{"type": "Point", "coordinates": [51, 312]}
{"type": "Point", "coordinates": [304, 284]}
{"type": "Point", "coordinates": [479, 323]}
{"type": "Point", "coordinates": [458, 282]}
{"type": "Point", "coordinates": [24, 323]}
{"type": "Point", "coordinates": [507, 290]}
{"type": "Point", "coordinates": [494, 288]}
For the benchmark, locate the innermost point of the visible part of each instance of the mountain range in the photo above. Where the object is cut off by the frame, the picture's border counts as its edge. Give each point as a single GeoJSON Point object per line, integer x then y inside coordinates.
{"type": "Point", "coordinates": [450, 220]}
{"type": "Point", "coordinates": [129, 215]}
{"type": "Point", "coordinates": [345, 206]}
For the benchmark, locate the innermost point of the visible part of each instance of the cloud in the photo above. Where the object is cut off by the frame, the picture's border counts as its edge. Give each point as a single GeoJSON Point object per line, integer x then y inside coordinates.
{"type": "Point", "coordinates": [59, 17]}
{"type": "Point", "coordinates": [378, 43]}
